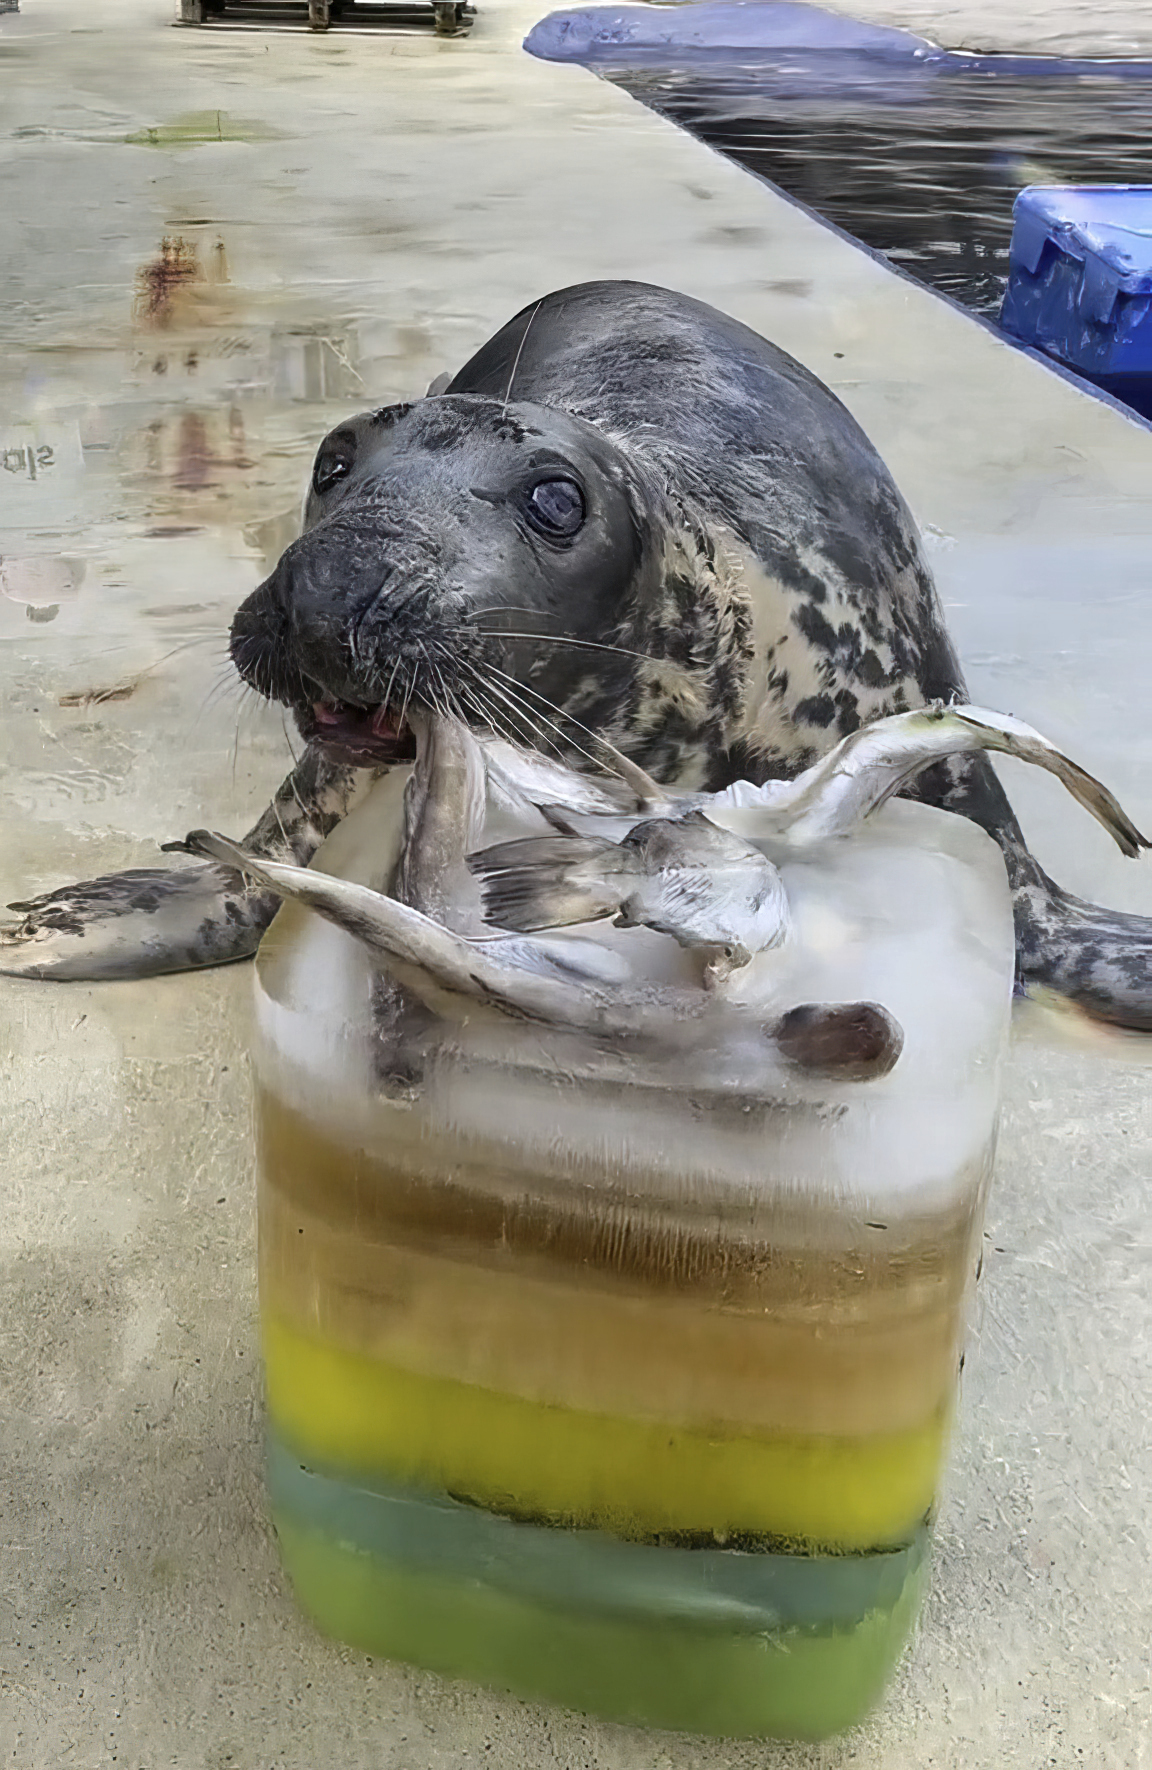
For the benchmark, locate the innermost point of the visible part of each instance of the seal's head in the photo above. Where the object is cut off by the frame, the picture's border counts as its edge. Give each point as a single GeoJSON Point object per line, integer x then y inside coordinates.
{"type": "Point", "coordinates": [441, 538]}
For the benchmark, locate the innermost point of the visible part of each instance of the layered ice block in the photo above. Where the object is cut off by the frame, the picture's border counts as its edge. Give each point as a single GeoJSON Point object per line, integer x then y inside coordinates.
{"type": "Point", "coordinates": [619, 1381]}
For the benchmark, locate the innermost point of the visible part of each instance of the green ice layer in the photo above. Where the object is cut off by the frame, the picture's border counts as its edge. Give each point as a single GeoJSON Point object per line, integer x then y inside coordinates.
{"type": "Point", "coordinates": [712, 1641]}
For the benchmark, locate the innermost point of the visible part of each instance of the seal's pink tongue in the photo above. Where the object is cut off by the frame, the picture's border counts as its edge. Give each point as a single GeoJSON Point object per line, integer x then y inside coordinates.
{"type": "Point", "coordinates": [363, 735]}
{"type": "Point", "coordinates": [382, 721]}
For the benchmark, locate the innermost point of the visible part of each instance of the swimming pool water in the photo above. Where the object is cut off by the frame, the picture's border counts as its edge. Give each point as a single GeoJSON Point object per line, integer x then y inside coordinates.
{"type": "Point", "coordinates": [923, 168]}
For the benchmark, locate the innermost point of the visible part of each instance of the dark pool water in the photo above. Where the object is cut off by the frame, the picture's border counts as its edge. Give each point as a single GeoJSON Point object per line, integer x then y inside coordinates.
{"type": "Point", "coordinates": [922, 168]}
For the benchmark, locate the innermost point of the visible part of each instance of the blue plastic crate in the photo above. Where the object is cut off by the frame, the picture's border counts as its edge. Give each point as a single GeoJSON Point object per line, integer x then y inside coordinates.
{"type": "Point", "coordinates": [1080, 281]}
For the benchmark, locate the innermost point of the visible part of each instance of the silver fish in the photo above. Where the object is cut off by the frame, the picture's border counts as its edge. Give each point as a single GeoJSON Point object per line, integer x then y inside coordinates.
{"type": "Point", "coordinates": [618, 848]}
{"type": "Point", "coordinates": [683, 876]}
{"type": "Point", "coordinates": [523, 779]}
{"type": "Point", "coordinates": [852, 1041]}
{"type": "Point", "coordinates": [837, 793]}
{"type": "Point", "coordinates": [707, 888]}
{"type": "Point", "coordinates": [574, 985]}
{"type": "Point", "coordinates": [866, 768]}
{"type": "Point", "coordinates": [444, 802]}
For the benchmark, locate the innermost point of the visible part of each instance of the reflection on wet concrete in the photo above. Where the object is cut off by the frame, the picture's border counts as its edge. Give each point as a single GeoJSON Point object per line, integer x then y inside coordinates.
{"type": "Point", "coordinates": [188, 382]}
{"type": "Point", "coordinates": [41, 583]}
{"type": "Point", "coordinates": [194, 450]}
{"type": "Point", "coordinates": [164, 279]}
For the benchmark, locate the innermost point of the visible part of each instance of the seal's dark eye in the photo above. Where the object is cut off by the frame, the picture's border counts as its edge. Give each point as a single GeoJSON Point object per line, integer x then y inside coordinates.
{"type": "Point", "coordinates": [328, 469]}
{"type": "Point", "coordinates": [556, 508]}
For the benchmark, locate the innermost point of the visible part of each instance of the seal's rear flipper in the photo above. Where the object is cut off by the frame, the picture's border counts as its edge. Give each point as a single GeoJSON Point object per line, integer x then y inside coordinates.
{"type": "Point", "coordinates": [1100, 959]}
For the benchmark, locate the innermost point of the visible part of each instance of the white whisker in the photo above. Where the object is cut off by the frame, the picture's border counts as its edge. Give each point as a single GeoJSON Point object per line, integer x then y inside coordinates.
{"type": "Point", "coordinates": [552, 639]}
{"type": "Point", "coordinates": [537, 733]}
{"type": "Point", "coordinates": [519, 353]}
{"type": "Point", "coordinates": [551, 723]}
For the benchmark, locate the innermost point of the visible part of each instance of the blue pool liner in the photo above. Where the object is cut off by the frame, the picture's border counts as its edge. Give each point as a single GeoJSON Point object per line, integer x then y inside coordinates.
{"type": "Point", "coordinates": [825, 44]}
{"type": "Point", "coordinates": [616, 33]}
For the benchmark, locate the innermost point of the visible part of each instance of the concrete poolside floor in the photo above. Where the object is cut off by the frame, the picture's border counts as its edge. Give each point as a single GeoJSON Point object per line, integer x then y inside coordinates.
{"type": "Point", "coordinates": [364, 211]}
{"type": "Point", "coordinates": [1095, 28]}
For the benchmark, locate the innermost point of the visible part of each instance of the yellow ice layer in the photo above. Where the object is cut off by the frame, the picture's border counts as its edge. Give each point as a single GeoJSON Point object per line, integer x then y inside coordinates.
{"type": "Point", "coordinates": [359, 1415]}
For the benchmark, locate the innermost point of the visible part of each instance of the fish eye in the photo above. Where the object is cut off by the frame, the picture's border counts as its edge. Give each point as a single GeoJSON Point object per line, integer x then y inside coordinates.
{"type": "Point", "coordinates": [329, 469]}
{"type": "Point", "coordinates": [555, 508]}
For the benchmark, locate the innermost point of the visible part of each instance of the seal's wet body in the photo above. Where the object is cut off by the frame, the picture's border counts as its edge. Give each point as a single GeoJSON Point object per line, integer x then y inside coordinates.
{"type": "Point", "coordinates": [631, 514]}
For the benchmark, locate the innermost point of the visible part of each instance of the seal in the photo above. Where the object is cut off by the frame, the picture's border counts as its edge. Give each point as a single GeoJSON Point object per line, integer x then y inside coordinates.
{"type": "Point", "coordinates": [627, 517]}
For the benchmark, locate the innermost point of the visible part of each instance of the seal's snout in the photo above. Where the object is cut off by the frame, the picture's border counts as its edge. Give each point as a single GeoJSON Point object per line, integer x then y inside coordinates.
{"type": "Point", "coordinates": [258, 645]}
{"type": "Point", "coordinates": [348, 632]}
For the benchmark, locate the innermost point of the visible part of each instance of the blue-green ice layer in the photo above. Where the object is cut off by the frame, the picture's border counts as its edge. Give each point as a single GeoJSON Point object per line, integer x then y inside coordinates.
{"type": "Point", "coordinates": [587, 1570]}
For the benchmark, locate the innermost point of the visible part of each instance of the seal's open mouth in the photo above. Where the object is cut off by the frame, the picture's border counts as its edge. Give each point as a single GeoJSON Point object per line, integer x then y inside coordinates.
{"type": "Point", "coordinates": [367, 736]}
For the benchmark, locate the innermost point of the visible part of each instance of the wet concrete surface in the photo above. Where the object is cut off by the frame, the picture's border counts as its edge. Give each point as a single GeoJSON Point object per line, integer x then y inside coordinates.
{"type": "Point", "coordinates": [1113, 28]}
{"type": "Point", "coordinates": [215, 246]}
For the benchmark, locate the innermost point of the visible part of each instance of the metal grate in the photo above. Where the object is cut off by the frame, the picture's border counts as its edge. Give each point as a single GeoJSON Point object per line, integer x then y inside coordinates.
{"type": "Point", "coordinates": [448, 18]}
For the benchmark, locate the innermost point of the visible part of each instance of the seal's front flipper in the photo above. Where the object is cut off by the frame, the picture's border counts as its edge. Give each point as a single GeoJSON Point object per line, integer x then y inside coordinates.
{"type": "Point", "coordinates": [149, 921]}
{"type": "Point", "coordinates": [136, 924]}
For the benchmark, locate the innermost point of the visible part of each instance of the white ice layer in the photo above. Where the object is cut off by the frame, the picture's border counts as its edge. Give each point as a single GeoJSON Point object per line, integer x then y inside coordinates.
{"type": "Point", "coordinates": [911, 911]}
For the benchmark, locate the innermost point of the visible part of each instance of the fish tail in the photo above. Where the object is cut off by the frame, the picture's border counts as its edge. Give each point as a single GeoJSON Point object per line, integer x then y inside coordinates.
{"type": "Point", "coordinates": [1017, 739]}
{"type": "Point", "coordinates": [549, 882]}
{"type": "Point", "coordinates": [212, 846]}
{"type": "Point", "coordinates": [1095, 797]}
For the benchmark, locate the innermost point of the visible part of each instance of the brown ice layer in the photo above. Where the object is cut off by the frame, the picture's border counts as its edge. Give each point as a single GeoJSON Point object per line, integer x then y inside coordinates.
{"type": "Point", "coordinates": [628, 1311]}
